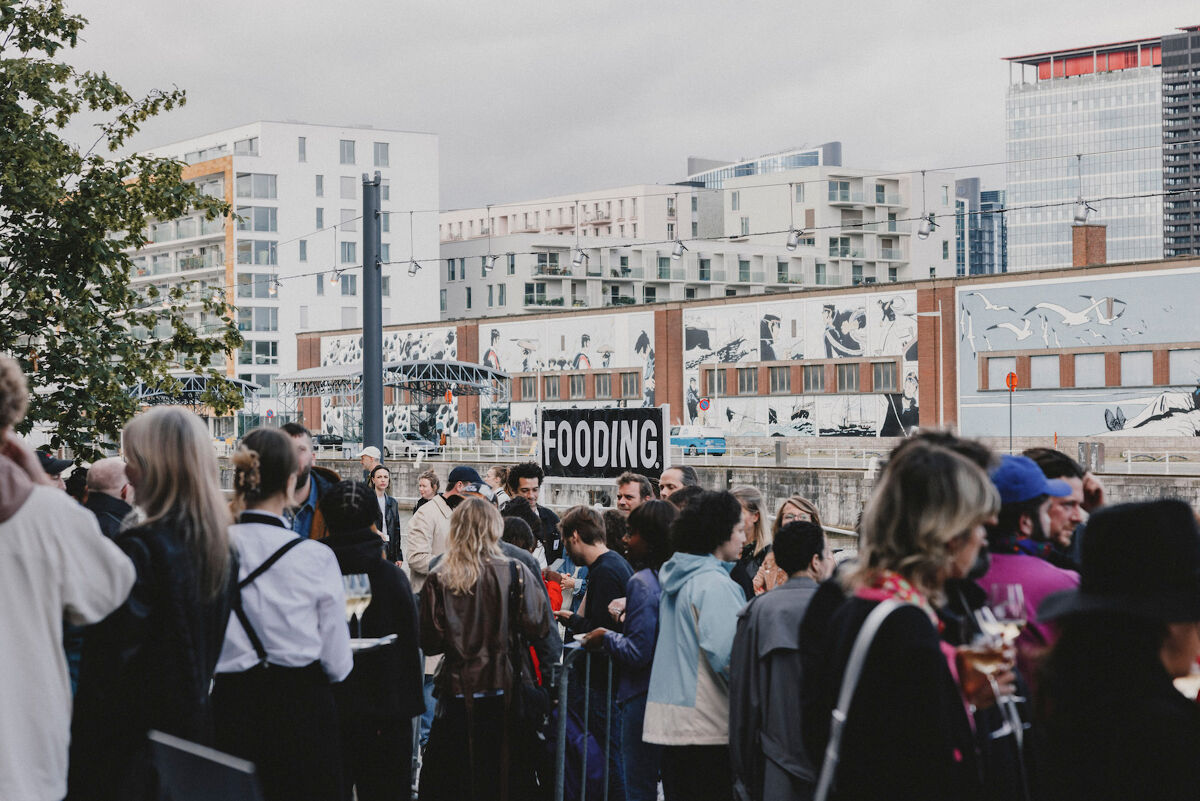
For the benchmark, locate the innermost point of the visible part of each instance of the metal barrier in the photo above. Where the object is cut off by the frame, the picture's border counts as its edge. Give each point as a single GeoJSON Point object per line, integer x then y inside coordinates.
{"type": "Point", "coordinates": [575, 659]}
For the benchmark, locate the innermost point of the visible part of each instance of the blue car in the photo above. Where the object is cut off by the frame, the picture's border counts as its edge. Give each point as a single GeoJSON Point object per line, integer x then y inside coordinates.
{"type": "Point", "coordinates": [697, 439]}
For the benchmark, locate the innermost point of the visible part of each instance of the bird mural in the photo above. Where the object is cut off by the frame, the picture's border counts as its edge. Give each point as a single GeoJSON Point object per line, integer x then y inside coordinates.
{"type": "Point", "coordinates": [989, 306]}
{"type": "Point", "coordinates": [987, 342]}
{"type": "Point", "coordinates": [1070, 318]}
{"type": "Point", "coordinates": [1020, 333]}
{"type": "Point", "coordinates": [971, 335]}
{"type": "Point", "coordinates": [1045, 330]}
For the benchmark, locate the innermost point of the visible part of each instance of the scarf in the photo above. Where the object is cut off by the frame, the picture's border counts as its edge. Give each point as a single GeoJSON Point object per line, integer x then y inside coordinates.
{"type": "Point", "coordinates": [890, 584]}
{"type": "Point", "coordinates": [1013, 544]}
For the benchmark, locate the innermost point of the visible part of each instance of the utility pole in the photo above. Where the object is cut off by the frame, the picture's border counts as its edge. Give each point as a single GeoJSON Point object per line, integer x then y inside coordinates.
{"type": "Point", "coordinates": [372, 318]}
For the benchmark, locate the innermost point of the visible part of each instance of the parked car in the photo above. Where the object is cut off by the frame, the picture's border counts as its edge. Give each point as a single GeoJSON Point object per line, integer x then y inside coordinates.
{"type": "Point", "coordinates": [406, 443]}
{"type": "Point", "coordinates": [327, 442]}
{"type": "Point", "coordinates": [698, 439]}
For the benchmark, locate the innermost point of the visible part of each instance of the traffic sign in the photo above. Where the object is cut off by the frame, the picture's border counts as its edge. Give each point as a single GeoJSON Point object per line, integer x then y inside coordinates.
{"type": "Point", "coordinates": [1011, 381]}
{"type": "Point", "coordinates": [704, 404]}
{"type": "Point", "coordinates": [270, 413]}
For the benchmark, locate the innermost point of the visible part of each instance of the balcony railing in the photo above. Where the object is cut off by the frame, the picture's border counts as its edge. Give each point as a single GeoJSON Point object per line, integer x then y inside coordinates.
{"type": "Point", "coordinates": [620, 300]}
{"type": "Point", "coordinates": [845, 252]}
{"type": "Point", "coordinates": [891, 254]}
{"type": "Point", "coordinates": [887, 199]}
{"type": "Point", "coordinates": [535, 300]}
{"type": "Point", "coordinates": [845, 196]}
{"type": "Point", "coordinates": [540, 270]}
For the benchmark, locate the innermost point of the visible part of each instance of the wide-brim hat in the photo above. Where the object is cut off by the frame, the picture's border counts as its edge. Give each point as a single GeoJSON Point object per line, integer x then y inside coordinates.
{"type": "Point", "coordinates": [1139, 559]}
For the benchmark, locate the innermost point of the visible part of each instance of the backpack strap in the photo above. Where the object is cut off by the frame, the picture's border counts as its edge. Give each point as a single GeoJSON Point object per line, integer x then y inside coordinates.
{"type": "Point", "coordinates": [236, 604]}
{"type": "Point", "coordinates": [858, 657]}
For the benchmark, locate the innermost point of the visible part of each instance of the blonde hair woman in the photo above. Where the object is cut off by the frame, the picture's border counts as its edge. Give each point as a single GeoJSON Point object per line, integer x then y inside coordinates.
{"type": "Point", "coordinates": [148, 665]}
{"type": "Point", "coordinates": [907, 729]}
{"type": "Point", "coordinates": [758, 538]}
{"type": "Point", "coordinates": [792, 510]}
{"type": "Point", "coordinates": [288, 638]}
{"type": "Point", "coordinates": [470, 608]}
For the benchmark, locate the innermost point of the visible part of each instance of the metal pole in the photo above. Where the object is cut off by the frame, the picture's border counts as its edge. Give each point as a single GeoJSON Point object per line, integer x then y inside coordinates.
{"type": "Point", "coordinates": [940, 368]}
{"type": "Point", "coordinates": [372, 319]}
{"type": "Point", "coordinates": [1010, 447]}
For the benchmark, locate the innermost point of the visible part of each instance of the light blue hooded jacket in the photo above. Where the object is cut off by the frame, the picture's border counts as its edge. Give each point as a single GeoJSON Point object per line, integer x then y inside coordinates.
{"type": "Point", "coordinates": [688, 703]}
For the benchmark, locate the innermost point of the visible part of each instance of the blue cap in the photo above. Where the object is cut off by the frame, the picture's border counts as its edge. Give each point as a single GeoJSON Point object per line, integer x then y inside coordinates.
{"type": "Point", "coordinates": [1018, 478]}
{"type": "Point", "coordinates": [463, 473]}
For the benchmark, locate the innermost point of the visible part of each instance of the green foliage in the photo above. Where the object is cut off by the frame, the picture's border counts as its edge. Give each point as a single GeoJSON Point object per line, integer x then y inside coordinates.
{"type": "Point", "coordinates": [68, 218]}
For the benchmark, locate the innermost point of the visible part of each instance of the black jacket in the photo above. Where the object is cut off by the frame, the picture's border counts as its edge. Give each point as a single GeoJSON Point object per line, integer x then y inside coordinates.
{"type": "Point", "coordinates": [747, 567]}
{"type": "Point", "coordinates": [109, 512]}
{"type": "Point", "coordinates": [386, 682]}
{"type": "Point", "coordinates": [148, 665]}
{"type": "Point", "coordinates": [391, 517]}
{"type": "Point", "coordinates": [906, 734]}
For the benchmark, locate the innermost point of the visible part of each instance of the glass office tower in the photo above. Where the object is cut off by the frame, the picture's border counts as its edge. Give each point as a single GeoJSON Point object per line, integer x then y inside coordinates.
{"type": "Point", "coordinates": [1181, 150]}
{"type": "Point", "coordinates": [1104, 102]}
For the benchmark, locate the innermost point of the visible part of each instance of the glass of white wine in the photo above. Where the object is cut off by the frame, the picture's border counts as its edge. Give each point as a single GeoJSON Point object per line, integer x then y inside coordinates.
{"type": "Point", "coordinates": [358, 596]}
{"type": "Point", "coordinates": [1007, 604]}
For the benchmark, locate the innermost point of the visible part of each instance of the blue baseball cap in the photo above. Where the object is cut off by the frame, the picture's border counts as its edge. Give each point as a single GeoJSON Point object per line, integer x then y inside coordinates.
{"type": "Point", "coordinates": [1018, 478]}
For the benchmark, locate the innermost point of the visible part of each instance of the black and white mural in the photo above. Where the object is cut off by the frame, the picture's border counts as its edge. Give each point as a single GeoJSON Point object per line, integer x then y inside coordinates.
{"type": "Point", "coordinates": [842, 327]}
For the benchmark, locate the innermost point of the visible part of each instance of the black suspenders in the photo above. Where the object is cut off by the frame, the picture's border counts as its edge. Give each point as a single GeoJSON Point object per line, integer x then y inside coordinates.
{"type": "Point", "coordinates": [255, 640]}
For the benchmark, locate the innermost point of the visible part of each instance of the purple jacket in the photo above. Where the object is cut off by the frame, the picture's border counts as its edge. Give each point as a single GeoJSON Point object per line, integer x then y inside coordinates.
{"type": "Point", "coordinates": [634, 650]}
{"type": "Point", "coordinates": [1038, 578]}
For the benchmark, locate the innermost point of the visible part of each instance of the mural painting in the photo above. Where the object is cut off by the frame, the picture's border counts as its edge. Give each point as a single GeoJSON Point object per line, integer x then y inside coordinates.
{"type": "Point", "coordinates": [1082, 317]}
{"type": "Point", "coordinates": [804, 329]}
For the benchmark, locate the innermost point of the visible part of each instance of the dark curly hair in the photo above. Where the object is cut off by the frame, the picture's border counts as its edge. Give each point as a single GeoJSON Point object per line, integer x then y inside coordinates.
{"type": "Point", "coordinates": [706, 523]}
{"type": "Point", "coordinates": [652, 522]}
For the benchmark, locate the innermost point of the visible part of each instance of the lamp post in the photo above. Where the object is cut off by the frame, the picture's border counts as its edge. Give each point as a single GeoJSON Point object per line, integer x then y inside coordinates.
{"type": "Point", "coordinates": [940, 388]}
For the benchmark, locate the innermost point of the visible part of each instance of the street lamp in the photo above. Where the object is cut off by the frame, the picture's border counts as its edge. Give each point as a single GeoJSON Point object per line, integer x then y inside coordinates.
{"type": "Point", "coordinates": [940, 388]}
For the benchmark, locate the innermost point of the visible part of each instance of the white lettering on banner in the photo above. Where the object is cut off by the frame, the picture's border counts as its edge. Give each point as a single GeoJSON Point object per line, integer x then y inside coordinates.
{"type": "Point", "coordinates": [547, 438]}
{"type": "Point", "coordinates": [628, 444]}
{"type": "Point", "coordinates": [600, 451]}
{"type": "Point", "coordinates": [649, 445]}
{"type": "Point", "coordinates": [583, 445]}
{"type": "Point", "coordinates": [564, 443]}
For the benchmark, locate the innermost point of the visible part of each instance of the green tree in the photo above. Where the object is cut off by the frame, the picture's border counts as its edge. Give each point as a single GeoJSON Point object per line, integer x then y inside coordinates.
{"type": "Point", "coordinates": [68, 220]}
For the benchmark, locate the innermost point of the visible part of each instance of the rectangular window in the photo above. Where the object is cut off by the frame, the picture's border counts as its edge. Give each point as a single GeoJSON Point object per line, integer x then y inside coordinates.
{"type": "Point", "coordinates": [1043, 372]}
{"type": "Point", "coordinates": [449, 269]}
{"type": "Point", "coordinates": [304, 317]}
{"type": "Point", "coordinates": [302, 148]}
{"type": "Point", "coordinates": [695, 230]}
{"type": "Point", "coordinates": [320, 283]}
{"type": "Point", "coordinates": [705, 269]}
{"type": "Point", "coordinates": [629, 385]}
{"type": "Point", "coordinates": [747, 380]}
{"type": "Point", "coordinates": [320, 218]}
{"type": "Point", "coordinates": [468, 297]}
{"type": "Point", "coordinates": [781, 272]}
{"type": "Point", "coordinates": [512, 263]}
{"type": "Point", "coordinates": [695, 203]}
{"type": "Point", "coordinates": [246, 147]}
{"type": "Point", "coordinates": [381, 154]}
{"type": "Point", "coordinates": [550, 387]}
{"type": "Point", "coordinates": [1137, 369]}
{"type": "Point", "coordinates": [847, 378]}
{"type": "Point", "coordinates": [735, 201]}
{"type": "Point", "coordinates": [349, 285]}
{"type": "Point", "coordinates": [385, 189]}
{"type": "Point", "coordinates": [1089, 370]}
{"type": "Point", "coordinates": [349, 220]}
{"type": "Point", "coordinates": [799, 193]}
{"type": "Point", "coordinates": [503, 299]}
{"type": "Point", "coordinates": [743, 270]}
{"type": "Point", "coordinates": [998, 369]}
{"type": "Point", "coordinates": [258, 185]}
{"type": "Point", "coordinates": [346, 182]}
{"type": "Point", "coordinates": [245, 318]}
{"type": "Point", "coordinates": [1184, 367]}
{"type": "Point", "coordinates": [349, 252]}
{"type": "Point", "coordinates": [385, 222]}
{"type": "Point", "coordinates": [714, 382]}
{"type": "Point", "coordinates": [442, 300]}
{"type": "Point", "coordinates": [883, 377]}
{"type": "Point", "coordinates": [320, 179]}
{"type": "Point", "coordinates": [819, 274]}
{"type": "Point", "coordinates": [745, 226]}
{"type": "Point", "coordinates": [266, 319]}
{"type": "Point", "coordinates": [528, 388]}
{"type": "Point", "coordinates": [664, 266]}
{"type": "Point", "coordinates": [346, 151]}
{"type": "Point", "coordinates": [649, 294]}
{"type": "Point", "coordinates": [945, 195]}
{"type": "Point", "coordinates": [303, 250]}
{"type": "Point", "coordinates": [266, 353]}
{"type": "Point", "coordinates": [781, 379]}
{"type": "Point", "coordinates": [491, 296]}
{"type": "Point", "coordinates": [945, 248]}
{"type": "Point", "coordinates": [385, 286]}
{"type": "Point", "coordinates": [257, 218]}
{"type": "Point", "coordinates": [349, 317]}
{"type": "Point", "coordinates": [385, 252]}
{"type": "Point", "coordinates": [603, 385]}
{"type": "Point", "coordinates": [814, 377]}
{"type": "Point", "coordinates": [256, 252]}
{"type": "Point", "coordinates": [575, 386]}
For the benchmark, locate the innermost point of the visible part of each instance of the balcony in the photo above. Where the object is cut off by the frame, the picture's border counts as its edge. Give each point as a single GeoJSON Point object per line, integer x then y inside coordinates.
{"type": "Point", "coordinates": [560, 225]}
{"type": "Point", "coordinates": [552, 270]}
{"type": "Point", "coordinates": [787, 280]}
{"type": "Point", "coordinates": [846, 252]}
{"type": "Point", "coordinates": [541, 301]}
{"type": "Point", "coordinates": [623, 273]}
{"type": "Point", "coordinates": [844, 197]}
{"type": "Point", "coordinates": [670, 274]}
{"type": "Point", "coordinates": [601, 218]}
{"type": "Point", "coordinates": [887, 199]}
{"type": "Point", "coordinates": [620, 300]}
{"type": "Point", "coordinates": [891, 254]}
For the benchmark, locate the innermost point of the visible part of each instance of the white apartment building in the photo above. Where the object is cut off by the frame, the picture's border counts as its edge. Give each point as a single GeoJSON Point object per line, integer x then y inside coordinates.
{"type": "Point", "coordinates": [648, 212]}
{"type": "Point", "coordinates": [858, 226]}
{"type": "Point", "coordinates": [537, 272]}
{"type": "Point", "coordinates": [293, 261]}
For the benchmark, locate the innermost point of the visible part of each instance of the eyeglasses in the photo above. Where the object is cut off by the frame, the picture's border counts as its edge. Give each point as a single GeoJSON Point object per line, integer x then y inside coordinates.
{"type": "Point", "coordinates": [793, 517]}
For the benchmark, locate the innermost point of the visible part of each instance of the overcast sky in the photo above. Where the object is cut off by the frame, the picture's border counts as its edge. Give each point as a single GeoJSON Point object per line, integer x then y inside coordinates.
{"type": "Point", "coordinates": [534, 99]}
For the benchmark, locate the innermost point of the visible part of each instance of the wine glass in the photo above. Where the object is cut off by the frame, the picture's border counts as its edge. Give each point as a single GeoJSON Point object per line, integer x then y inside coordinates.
{"type": "Point", "coordinates": [1007, 603]}
{"type": "Point", "coordinates": [358, 596]}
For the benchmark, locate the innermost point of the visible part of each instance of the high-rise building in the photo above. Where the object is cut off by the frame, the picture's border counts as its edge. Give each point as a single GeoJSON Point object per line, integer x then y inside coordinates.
{"type": "Point", "coordinates": [1181, 142]}
{"type": "Point", "coordinates": [981, 229]}
{"type": "Point", "coordinates": [290, 258]}
{"type": "Point", "coordinates": [1085, 122]}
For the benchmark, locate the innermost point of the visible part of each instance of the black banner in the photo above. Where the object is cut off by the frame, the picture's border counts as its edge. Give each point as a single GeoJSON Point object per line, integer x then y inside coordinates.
{"type": "Point", "coordinates": [603, 443]}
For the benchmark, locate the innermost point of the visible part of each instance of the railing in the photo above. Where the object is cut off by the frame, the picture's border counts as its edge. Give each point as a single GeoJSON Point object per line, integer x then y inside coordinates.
{"type": "Point", "coordinates": [533, 300]}
{"type": "Point", "coordinates": [888, 199]}
{"type": "Point", "coordinates": [550, 269]}
{"type": "Point", "coordinates": [891, 254]}
{"type": "Point", "coordinates": [845, 252]}
{"type": "Point", "coordinates": [1165, 462]}
{"type": "Point", "coordinates": [576, 661]}
{"type": "Point", "coordinates": [845, 196]}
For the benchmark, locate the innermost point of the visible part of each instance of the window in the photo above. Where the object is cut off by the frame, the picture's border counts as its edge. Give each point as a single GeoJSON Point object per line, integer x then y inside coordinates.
{"type": "Point", "coordinates": [670, 230]}
{"type": "Point", "coordinates": [744, 270]}
{"type": "Point", "coordinates": [449, 269]}
{"type": "Point", "coordinates": [883, 376]}
{"type": "Point", "coordinates": [735, 201]}
{"type": "Point", "coordinates": [856, 274]}
{"type": "Point", "coordinates": [528, 388]}
{"type": "Point", "coordinates": [705, 269]}
{"type": "Point", "coordinates": [385, 286]}
{"type": "Point", "coordinates": [349, 285]}
{"type": "Point", "coordinates": [385, 189]}
{"type": "Point", "coordinates": [649, 294]}
{"type": "Point", "coordinates": [257, 185]}
{"type": "Point", "coordinates": [320, 218]}
{"type": "Point", "coordinates": [819, 274]}
{"type": "Point", "coordinates": [550, 387]}
{"type": "Point", "coordinates": [349, 220]}
{"type": "Point", "coordinates": [535, 294]}
{"type": "Point", "coordinates": [302, 148]}
{"type": "Point", "coordinates": [1137, 369]}
{"type": "Point", "coordinates": [245, 318]}
{"type": "Point", "coordinates": [714, 382]}
{"type": "Point", "coordinates": [998, 369]}
{"type": "Point", "coordinates": [695, 203]}
{"type": "Point", "coordinates": [629, 385]}
{"type": "Point", "coordinates": [745, 226]}
{"type": "Point", "coordinates": [502, 300]}
{"type": "Point", "coordinates": [491, 296]}
{"type": "Point", "coordinates": [1184, 367]}
{"type": "Point", "coordinates": [747, 380]}
{"type": "Point", "coordinates": [603, 385]}
{"type": "Point", "coordinates": [349, 252]}
{"type": "Point", "coordinates": [781, 379]}
{"type": "Point", "coordinates": [246, 147]}
{"type": "Point", "coordinates": [799, 193]}
{"type": "Point", "coordinates": [304, 317]}
{"type": "Point", "coordinates": [257, 218]}
{"type": "Point", "coordinates": [575, 386]}
{"type": "Point", "coordinates": [349, 317]}
{"type": "Point", "coordinates": [346, 151]}
{"type": "Point", "coordinates": [781, 272]}
{"type": "Point", "coordinates": [256, 252]}
{"type": "Point", "coordinates": [303, 250]}
{"type": "Point", "coordinates": [664, 266]}
{"type": "Point", "coordinates": [1089, 370]}
{"type": "Point", "coordinates": [385, 252]}
{"type": "Point", "coordinates": [695, 230]}
{"type": "Point", "coordinates": [847, 378]}
{"type": "Point", "coordinates": [1043, 372]}
{"type": "Point", "coordinates": [346, 183]}
{"type": "Point", "coordinates": [320, 283]}
{"type": "Point", "coordinates": [266, 319]}
{"type": "Point", "coordinates": [689, 293]}
{"type": "Point", "coordinates": [893, 274]}
{"type": "Point", "coordinates": [945, 248]}
{"type": "Point", "coordinates": [468, 297]}
{"type": "Point", "coordinates": [442, 300]}
{"type": "Point", "coordinates": [814, 377]}
{"type": "Point", "coordinates": [945, 195]}
{"type": "Point", "coordinates": [385, 222]}
{"type": "Point", "coordinates": [266, 353]}
{"type": "Point", "coordinates": [381, 154]}
{"type": "Point", "coordinates": [512, 263]}
{"type": "Point", "coordinates": [320, 186]}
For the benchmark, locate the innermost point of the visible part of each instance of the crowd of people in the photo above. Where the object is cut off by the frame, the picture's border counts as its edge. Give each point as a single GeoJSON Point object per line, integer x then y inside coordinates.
{"type": "Point", "coordinates": [995, 631]}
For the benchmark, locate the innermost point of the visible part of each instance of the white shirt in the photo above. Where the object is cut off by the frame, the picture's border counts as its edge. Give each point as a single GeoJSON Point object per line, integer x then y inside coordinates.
{"type": "Point", "coordinates": [297, 607]}
{"type": "Point", "coordinates": [383, 516]}
{"type": "Point", "coordinates": [53, 560]}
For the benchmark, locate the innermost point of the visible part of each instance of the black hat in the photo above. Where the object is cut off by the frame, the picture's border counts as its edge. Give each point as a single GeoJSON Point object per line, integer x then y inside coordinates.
{"type": "Point", "coordinates": [463, 473]}
{"type": "Point", "coordinates": [51, 465]}
{"type": "Point", "coordinates": [1140, 559]}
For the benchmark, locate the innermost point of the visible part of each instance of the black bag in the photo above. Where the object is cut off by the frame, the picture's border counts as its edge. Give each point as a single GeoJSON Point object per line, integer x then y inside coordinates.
{"type": "Point", "coordinates": [530, 701]}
